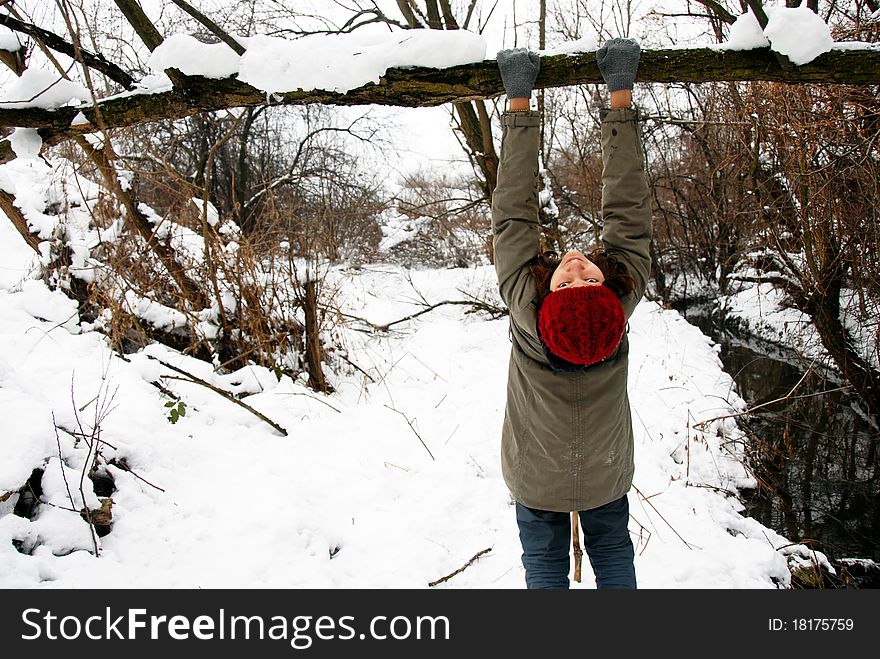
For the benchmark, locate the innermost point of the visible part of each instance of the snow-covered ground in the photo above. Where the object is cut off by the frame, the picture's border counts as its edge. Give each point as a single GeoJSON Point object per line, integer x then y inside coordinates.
{"type": "Point", "coordinates": [392, 481]}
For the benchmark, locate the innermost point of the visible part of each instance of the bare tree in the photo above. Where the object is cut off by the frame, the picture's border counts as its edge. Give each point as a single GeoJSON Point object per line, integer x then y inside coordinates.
{"type": "Point", "coordinates": [777, 184]}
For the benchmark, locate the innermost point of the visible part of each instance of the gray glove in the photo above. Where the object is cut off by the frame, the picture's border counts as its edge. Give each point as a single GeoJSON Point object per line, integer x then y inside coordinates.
{"type": "Point", "coordinates": [618, 61]}
{"type": "Point", "coordinates": [519, 67]}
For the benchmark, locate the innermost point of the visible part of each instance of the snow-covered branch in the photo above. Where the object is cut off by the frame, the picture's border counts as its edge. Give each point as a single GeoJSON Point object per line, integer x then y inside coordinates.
{"type": "Point", "coordinates": [422, 86]}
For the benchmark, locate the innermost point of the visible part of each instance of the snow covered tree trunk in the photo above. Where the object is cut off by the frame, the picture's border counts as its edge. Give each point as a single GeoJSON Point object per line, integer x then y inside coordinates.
{"type": "Point", "coordinates": [423, 87]}
{"type": "Point", "coordinates": [7, 205]}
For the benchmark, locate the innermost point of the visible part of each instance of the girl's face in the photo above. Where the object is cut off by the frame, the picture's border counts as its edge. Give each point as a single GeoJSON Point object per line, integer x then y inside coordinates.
{"type": "Point", "coordinates": [575, 269]}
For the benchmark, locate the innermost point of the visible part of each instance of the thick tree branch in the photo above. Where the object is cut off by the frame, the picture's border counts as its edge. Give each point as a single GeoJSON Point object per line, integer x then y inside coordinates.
{"type": "Point", "coordinates": [13, 212]}
{"type": "Point", "coordinates": [421, 87]}
{"type": "Point", "coordinates": [56, 43]}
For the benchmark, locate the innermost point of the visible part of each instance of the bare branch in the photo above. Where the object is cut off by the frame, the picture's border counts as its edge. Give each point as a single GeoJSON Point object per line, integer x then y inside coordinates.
{"type": "Point", "coordinates": [717, 10]}
{"type": "Point", "coordinates": [412, 427]}
{"type": "Point", "coordinates": [476, 305]}
{"type": "Point", "coordinates": [215, 29]}
{"type": "Point", "coordinates": [462, 568]}
{"type": "Point", "coordinates": [194, 379]}
{"type": "Point", "coordinates": [56, 43]}
{"type": "Point", "coordinates": [758, 10]}
{"type": "Point", "coordinates": [470, 12]}
{"type": "Point", "coordinates": [448, 16]}
{"type": "Point", "coordinates": [141, 23]}
{"type": "Point", "coordinates": [433, 12]}
{"type": "Point", "coordinates": [408, 14]}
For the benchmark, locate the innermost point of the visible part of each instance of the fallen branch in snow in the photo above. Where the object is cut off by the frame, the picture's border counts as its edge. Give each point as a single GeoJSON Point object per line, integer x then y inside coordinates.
{"type": "Point", "coordinates": [5, 496]}
{"type": "Point", "coordinates": [122, 464]}
{"type": "Point", "coordinates": [165, 390]}
{"type": "Point", "coordinates": [462, 568]}
{"type": "Point", "coordinates": [189, 377]}
{"type": "Point", "coordinates": [646, 500]}
{"type": "Point", "coordinates": [414, 430]}
{"type": "Point", "coordinates": [715, 488]}
{"type": "Point", "coordinates": [644, 532]}
{"type": "Point", "coordinates": [351, 363]}
{"type": "Point", "coordinates": [477, 306]}
{"type": "Point", "coordinates": [299, 393]}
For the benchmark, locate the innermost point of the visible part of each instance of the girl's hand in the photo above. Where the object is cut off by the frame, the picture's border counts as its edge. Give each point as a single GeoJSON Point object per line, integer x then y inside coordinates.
{"type": "Point", "coordinates": [519, 68]}
{"type": "Point", "coordinates": [618, 61]}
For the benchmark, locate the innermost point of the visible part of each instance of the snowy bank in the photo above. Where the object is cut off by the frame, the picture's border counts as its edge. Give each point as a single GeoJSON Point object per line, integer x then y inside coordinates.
{"type": "Point", "coordinates": [392, 481]}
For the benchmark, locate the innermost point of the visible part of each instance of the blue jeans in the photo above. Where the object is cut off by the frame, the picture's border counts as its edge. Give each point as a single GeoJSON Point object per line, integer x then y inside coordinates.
{"type": "Point", "coordinates": [546, 538]}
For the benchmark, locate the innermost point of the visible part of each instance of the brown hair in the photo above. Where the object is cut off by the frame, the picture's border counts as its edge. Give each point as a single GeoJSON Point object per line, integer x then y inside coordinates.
{"type": "Point", "coordinates": [617, 277]}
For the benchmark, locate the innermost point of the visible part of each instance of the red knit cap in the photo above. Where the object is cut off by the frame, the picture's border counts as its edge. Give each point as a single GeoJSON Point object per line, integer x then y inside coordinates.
{"type": "Point", "coordinates": [582, 324]}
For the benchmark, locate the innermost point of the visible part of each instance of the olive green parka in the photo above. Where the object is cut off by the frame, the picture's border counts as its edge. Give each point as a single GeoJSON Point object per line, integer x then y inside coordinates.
{"type": "Point", "coordinates": [567, 439]}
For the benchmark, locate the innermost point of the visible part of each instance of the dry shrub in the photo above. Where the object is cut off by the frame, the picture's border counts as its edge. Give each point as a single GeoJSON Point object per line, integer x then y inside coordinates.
{"type": "Point", "coordinates": [444, 222]}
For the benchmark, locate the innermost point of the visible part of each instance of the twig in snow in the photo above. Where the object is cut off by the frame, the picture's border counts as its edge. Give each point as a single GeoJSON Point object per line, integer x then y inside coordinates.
{"type": "Point", "coordinates": [711, 455]}
{"type": "Point", "coordinates": [61, 460]}
{"type": "Point", "coordinates": [499, 577]}
{"type": "Point", "coordinates": [197, 380]}
{"type": "Point", "coordinates": [477, 464]}
{"type": "Point", "coordinates": [714, 488]}
{"type": "Point", "coordinates": [414, 430]}
{"type": "Point", "coordinates": [351, 363]}
{"type": "Point", "coordinates": [79, 435]}
{"type": "Point", "coordinates": [427, 367]}
{"type": "Point", "coordinates": [122, 463]}
{"type": "Point", "coordinates": [687, 544]}
{"type": "Point", "coordinates": [642, 530]}
{"type": "Point", "coordinates": [85, 513]}
{"type": "Point", "coordinates": [461, 569]}
{"type": "Point", "coordinates": [475, 304]}
{"type": "Point", "coordinates": [165, 390]}
{"type": "Point", "coordinates": [301, 393]}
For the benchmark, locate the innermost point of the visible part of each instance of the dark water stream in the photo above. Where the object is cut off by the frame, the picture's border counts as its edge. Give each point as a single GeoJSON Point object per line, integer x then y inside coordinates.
{"type": "Point", "coordinates": [815, 456]}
